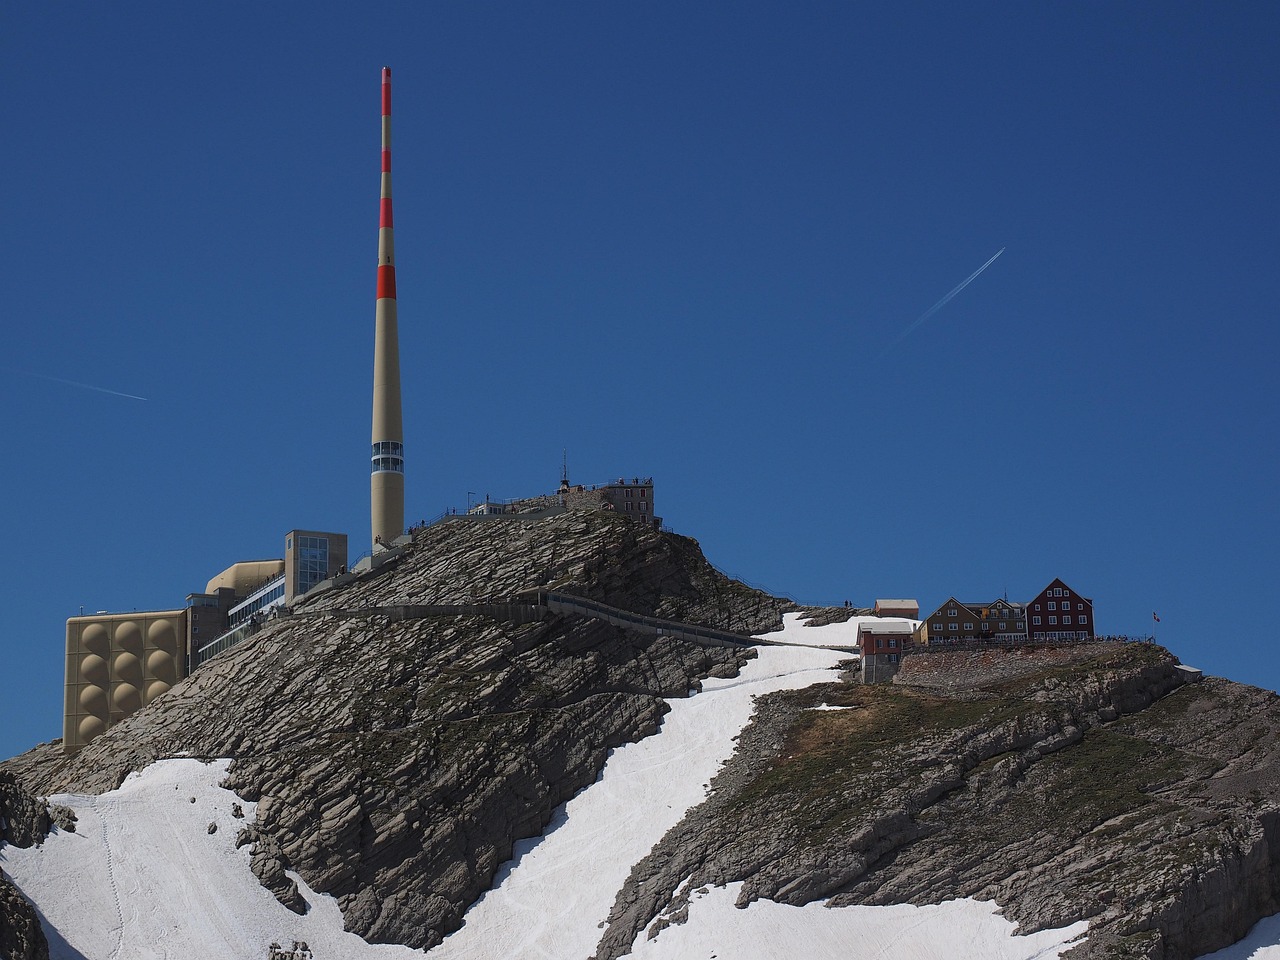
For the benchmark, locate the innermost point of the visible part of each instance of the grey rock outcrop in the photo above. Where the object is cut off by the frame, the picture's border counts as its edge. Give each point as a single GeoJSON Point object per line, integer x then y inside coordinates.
{"type": "Point", "coordinates": [1065, 784]}
{"type": "Point", "coordinates": [395, 764]}
{"type": "Point", "coordinates": [24, 820]}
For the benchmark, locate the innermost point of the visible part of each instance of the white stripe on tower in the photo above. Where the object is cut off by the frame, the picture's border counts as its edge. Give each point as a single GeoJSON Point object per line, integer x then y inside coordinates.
{"type": "Point", "coordinates": [386, 484]}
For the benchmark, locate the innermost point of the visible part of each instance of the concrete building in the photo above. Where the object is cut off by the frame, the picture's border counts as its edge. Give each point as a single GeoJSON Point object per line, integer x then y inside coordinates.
{"type": "Point", "coordinates": [115, 664]}
{"type": "Point", "coordinates": [119, 662]}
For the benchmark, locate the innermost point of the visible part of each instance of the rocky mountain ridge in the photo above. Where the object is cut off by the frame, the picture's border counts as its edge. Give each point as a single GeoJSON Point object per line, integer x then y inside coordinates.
{"type": "Point", "coordinates": [1067, 783]}
{"type": "Point", "coordinates": [396, 763]}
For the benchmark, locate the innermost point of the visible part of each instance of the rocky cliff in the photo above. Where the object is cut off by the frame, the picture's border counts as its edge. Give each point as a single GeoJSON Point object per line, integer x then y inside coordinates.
{"type": "Point", "coordinates": [1090, 782]}
{"type": "Point", "coordinates": [24, 820]}
{"type": "Point", "coordinates": [396, 763]}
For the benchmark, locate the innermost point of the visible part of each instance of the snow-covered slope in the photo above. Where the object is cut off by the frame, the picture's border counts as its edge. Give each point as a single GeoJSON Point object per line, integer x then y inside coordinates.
{"type": "Point", "coordinates": [143, 877]}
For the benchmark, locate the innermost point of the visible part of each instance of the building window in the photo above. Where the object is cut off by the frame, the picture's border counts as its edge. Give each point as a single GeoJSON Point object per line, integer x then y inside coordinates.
{"type": "Point", "coordinates": [1066, 619]}
{"type": "Point", "coordinates": [893, 644]}
{"type": "Point", "coordinates": [1004, 626]}
{"type": "Point", "coordinates": [1052, 605]}
{"type": "Point", "coordinates": [644, 506]}
{"type": "Point", "coordinates": [953, 626]}
{"type": "Point", "coordinates": [968, 626]}
{"type": "Point", "coordinates": [628, 505]}
{"type": "Point", "coordinates": [1036, 607]}
{"type": "Point", "coordinates": [937, 625]}
{"type": "Point", "coordinates": [643, 491]}
{"type": "Point", "coordinates": [1021, 625]}
{"type": "Point", "coordinates": [1035, 621]}
{"type": "Point", "coordinates": [1053, 621]}
{"type": "Point", "coordinates": [952, 613]}
{"type": "Point", "coordinates": [1057, 592]}
{"type": "Point", "coordinates": [628, 493]}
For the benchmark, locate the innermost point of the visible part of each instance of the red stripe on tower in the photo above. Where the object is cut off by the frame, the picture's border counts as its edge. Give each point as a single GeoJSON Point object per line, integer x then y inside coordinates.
{"type": "Point", "coordinates": [386, 282]}
{"type": "Point", "coordinates": [384, 213]}
{"type": "Point", "coordinates": [386, 91]}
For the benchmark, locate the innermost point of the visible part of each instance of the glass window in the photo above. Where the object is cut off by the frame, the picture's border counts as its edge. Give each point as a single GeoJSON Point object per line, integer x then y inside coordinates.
{"type": "Point", "coordinates": [1035, 621]}
{"type": "Point", "coordinates": [1052, 605]}
{"type": "Point", "coordinates": [1053, 621]}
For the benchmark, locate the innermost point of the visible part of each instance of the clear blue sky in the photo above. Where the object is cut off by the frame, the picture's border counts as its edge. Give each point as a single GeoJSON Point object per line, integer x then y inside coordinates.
{"type": "Point", "coordinates": [675, 239]}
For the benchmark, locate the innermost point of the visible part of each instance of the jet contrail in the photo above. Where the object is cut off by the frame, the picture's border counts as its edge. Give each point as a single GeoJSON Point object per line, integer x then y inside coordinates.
{"type": "Point", "coordinates": [941, 303]}
{"type": "Point", "coordinates": [84, 386]}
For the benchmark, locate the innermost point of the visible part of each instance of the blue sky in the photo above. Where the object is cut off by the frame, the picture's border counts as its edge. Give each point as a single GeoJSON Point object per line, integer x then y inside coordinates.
{"type": "Point", "coordinates": [676, 240]}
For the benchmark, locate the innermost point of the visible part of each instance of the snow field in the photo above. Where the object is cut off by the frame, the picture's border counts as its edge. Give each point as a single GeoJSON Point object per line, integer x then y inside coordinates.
{"type": "Point", "coordinates": [764, 930]}
{"type": "Point", "coordinates": [141, 878]}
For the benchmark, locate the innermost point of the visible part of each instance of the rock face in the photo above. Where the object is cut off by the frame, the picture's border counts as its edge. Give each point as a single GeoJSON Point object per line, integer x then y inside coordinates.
{"type": "Point", "coordinates": [24, 820]}
{"type": "Point", "coordinates": [396, 763]}
{"type": "Point", "coordinates": [1074, 783]}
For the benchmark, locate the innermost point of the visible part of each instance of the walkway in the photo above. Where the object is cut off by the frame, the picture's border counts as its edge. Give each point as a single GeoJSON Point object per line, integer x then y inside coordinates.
{"type": "Point", "coordinates": [533, 606]}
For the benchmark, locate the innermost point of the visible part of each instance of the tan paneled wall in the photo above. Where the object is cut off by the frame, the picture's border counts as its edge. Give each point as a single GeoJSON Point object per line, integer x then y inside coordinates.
{"type": "Point", "coordinates": [116, 663]}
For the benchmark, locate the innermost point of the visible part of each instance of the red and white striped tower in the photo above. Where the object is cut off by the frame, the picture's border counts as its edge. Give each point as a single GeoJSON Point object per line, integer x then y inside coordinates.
{"type": "Point", "coordinates": [386, 485]}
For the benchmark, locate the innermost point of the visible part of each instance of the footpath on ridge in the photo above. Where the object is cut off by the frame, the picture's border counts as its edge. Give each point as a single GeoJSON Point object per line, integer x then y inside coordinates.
{"type": "Point", "coordinates": [536, 605]}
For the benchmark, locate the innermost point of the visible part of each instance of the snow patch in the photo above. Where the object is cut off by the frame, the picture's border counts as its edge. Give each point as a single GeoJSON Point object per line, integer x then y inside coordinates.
{"type": "Point", "coordinates": [764, 930]}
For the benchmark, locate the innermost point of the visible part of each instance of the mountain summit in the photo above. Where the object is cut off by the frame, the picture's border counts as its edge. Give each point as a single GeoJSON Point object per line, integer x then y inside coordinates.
{"type": "Point", "coordinates": [400, 743]}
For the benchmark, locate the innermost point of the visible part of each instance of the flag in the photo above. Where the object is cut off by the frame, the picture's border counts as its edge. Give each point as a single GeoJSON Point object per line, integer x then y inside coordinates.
{"type": "Point", "coordinates": [1154, 617]}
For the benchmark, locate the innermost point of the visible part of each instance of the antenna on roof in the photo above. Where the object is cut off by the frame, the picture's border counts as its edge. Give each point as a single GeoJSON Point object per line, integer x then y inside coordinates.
{"type": "Point", "coordinates": [564, 471]}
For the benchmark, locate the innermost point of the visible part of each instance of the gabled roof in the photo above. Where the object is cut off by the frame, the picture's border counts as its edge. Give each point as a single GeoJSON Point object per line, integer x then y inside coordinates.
{"type": "Point", "coordinates": [1057, 582]}
{"type": "Point", "coordinates": [953, 602]}
{"type": "Point", "coordinates": [978, 608]}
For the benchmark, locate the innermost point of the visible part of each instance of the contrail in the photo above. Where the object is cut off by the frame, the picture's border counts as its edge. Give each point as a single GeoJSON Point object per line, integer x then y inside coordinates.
{"type": "Point", "coordinates": [941, 303]}
{"type": "Point", "coordinates": [83, 386]}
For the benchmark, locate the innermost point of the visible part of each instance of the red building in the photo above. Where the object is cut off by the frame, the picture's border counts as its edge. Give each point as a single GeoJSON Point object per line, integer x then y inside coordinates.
{"type": "Point", "coordinates": [1059, 613]}
{"type": "Point", "coordinates": [883, 643]}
